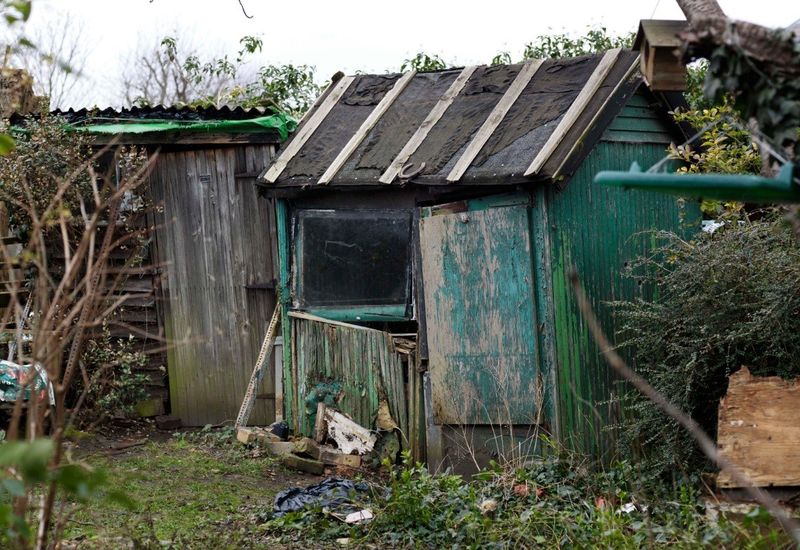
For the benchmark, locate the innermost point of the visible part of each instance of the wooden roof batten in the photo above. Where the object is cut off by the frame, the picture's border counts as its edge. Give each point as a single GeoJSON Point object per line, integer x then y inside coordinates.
{"type": "Point", "coordinates": [570, 117]}
{"type": "Point", "coordinates": [425, 127]}
{"type": "Point", "coordinates": [599, 113]}
{"type": "Point", "coordinates": [494, 119]}
{"type": "Point", "coordinates": [304, 133]}
{"type": "Point", "coordinates": [366, 127]}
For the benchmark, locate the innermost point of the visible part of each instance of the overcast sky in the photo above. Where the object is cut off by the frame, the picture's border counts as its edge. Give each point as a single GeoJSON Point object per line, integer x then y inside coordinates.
{"type": "Point", "coordinates": [353, 36]}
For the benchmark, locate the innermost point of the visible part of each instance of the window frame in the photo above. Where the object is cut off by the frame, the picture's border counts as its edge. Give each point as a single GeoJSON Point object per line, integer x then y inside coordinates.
{"type": "Point", "coordinates": [356, 312]}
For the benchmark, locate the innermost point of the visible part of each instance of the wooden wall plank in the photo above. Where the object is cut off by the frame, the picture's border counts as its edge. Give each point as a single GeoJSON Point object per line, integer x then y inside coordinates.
{"type": "Point", "coordinates": [214, 242]}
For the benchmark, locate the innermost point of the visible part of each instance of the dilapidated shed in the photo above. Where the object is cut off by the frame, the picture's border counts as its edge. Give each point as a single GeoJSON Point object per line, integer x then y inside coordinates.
{"type": "Point", "coordinates": [202, 308]}
{"type": "Point", "coordinates": [427, 223]}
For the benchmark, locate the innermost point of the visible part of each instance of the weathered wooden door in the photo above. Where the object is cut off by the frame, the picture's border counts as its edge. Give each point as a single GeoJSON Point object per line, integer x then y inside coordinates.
{"type": "Point", "coordinates": [480, 315]}
{"type": "Point", "coordinates": [215, 241]}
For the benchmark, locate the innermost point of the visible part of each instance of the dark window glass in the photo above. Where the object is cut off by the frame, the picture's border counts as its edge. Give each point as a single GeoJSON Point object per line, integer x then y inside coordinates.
{"type": "Point", "coordinates": [353, 257]}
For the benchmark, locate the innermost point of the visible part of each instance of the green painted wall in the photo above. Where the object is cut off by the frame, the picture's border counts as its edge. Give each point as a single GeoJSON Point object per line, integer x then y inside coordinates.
{"type": "Point", "coordinates": [596, 230]}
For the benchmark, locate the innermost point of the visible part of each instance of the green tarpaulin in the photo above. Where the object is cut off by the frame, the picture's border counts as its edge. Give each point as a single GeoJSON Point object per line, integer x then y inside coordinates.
{"type": "Point", "coordinates": [283, 124]}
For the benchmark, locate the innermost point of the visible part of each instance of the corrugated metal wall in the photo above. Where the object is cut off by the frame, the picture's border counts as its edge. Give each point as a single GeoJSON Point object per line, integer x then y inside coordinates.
{"type": "Point", "coordinates": [596, 230]}
{"type": "Point", "coordinates": [215, 239]}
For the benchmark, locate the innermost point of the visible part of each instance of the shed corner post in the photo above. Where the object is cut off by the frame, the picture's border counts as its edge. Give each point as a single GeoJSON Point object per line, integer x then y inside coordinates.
{"type": "Point", "coordinates": [284, 299]}
{"type": "Point", "coordinates": [542, 262]}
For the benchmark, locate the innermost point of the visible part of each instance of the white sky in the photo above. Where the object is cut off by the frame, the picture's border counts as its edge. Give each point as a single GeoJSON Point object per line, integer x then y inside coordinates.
{"type": "Point", "coordinates": [355, 36]}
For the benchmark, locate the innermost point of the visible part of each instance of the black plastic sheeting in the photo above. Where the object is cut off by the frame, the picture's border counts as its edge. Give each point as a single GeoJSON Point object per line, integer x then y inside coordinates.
{"type": "Point", "coordinates": [464, 116]}
{"type": "Point", "coordinates": [332, 493]}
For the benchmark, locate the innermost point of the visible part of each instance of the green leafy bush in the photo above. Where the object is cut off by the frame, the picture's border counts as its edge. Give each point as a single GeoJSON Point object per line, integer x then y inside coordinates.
{"type": "Point", "coordinates": [46, 156]}
{"type": "Point", "coordinates": [554, 502]}
{"type": "Point", "coordinates": [722, 300]}
{"type": "Point", "coordinates": [117, 381]}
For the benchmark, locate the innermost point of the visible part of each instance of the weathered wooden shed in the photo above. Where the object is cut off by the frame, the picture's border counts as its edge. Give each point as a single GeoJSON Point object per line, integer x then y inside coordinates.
{"type": "Point", "coordinates": [207, 301]}
{"type": "Point", "coordinates": [447, 208]}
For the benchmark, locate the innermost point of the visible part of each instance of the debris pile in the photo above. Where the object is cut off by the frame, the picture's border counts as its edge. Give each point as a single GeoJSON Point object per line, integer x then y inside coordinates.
{"type": "Point", "coordinates": [338, 441]}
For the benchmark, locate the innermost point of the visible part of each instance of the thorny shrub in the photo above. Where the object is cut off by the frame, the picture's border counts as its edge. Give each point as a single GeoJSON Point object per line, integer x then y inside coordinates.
{"type": "Point", "coordinates": [722, 300]}
{"type": "Point", "coordinates": [550, 502]}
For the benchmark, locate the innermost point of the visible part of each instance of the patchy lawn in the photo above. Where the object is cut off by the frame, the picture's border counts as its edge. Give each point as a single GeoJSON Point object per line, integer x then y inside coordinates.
{"type": "Point", "coordinates": [204, 490]}
{"type": "Point", "coordinates": [189, 490]}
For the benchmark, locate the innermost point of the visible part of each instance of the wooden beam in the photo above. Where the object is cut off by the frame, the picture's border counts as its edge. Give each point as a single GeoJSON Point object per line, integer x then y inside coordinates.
{"type": "Point", "coordinates": [494, 119]}
{"type": "Point", "coordinates": [366, 127]}
{"type": "Point", "coordinates": [167, 139]}
{"type": "Point", "coordinates": [308, 129]}
{"type": "Point", "coordinates": [430, 121]}
{"type": "Point", "coordinates": [589, 89]}
{"type": "Point", "coordinates": [581, 142]}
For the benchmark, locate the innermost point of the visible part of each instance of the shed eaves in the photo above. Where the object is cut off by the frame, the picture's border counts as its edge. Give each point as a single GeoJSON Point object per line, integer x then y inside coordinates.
{"type": "Point", "coordinates": [478, 125]}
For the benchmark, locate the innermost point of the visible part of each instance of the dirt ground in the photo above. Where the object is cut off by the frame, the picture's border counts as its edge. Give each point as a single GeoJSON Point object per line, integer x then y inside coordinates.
{"type": "Point", "coordinates": [188, 489]}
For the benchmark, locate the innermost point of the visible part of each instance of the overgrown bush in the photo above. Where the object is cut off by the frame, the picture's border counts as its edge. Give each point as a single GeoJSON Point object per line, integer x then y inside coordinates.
{"type": "Point", "coordinates": [46, 154]}
{"type": "Point", "coordinates": [722, 300]}
{"type": "Point", "coordinates": [117, 383]}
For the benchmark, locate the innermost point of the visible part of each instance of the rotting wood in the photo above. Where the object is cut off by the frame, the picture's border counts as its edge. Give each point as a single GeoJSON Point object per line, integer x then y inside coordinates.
{"type": "Point", "coordinates": [494, 119]}
{"type": "Point", "coordinates": [320, 427]}
{"type": "Point", "coordinates": [349, 436]}
{"type": "Point", "coordinates": [430, 121]}
{"type": "Point", "coordinates": [308, 128]}
{"type": "Point", "coordinates": [366, 127]}
{"type": "Point", "coordinates": [758, 430]}
{"type": "Point", "coordinates": [308, 465]}
{"type": "Point", "coordinates": [586, 94]}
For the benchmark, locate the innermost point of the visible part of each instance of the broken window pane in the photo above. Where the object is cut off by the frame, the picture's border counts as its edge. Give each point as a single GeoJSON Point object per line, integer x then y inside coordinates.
{"type": "Point", "coordinates": [352, 258]}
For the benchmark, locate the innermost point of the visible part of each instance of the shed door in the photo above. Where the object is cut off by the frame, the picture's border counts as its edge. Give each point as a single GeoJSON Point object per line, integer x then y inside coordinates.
{"type": "Point", "coordinates": [480, 316]}
{"type": "Point", "coordinates": [215, 240]}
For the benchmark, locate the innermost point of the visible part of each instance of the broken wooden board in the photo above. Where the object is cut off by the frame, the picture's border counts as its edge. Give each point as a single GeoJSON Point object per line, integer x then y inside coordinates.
{"type": "Point", "coordinates": [758, 430]}
{"type": "Point", "coordinates": [308, 465]}
{"type": "Point", "coordinates": [349, 436]}
{"type": "Point", "coordinates": [325, 454]}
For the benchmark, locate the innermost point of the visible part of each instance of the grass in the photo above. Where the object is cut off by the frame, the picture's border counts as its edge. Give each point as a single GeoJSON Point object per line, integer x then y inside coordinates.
{"type": "Point", "coordinates": [184, 491]}
{"type": "Point", "coordinates": [205, 491]}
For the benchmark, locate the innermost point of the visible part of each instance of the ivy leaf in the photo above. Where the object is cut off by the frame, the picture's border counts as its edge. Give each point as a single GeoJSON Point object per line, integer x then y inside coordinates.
{"type": "Point", "coordinates": [7, 144]}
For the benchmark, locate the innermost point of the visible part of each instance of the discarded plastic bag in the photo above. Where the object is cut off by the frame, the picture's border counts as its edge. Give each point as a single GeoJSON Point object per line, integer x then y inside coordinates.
{"type": "Point", "coordinates": [332, 493]}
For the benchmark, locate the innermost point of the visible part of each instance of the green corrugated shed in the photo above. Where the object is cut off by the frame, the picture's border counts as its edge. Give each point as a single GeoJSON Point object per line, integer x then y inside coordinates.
{"type": "Point", "coordinates": [496, 166]}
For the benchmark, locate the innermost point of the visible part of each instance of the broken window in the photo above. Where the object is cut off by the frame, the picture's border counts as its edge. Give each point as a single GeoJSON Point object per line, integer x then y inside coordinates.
{"type": "Point", "coordinates": [353, 258]}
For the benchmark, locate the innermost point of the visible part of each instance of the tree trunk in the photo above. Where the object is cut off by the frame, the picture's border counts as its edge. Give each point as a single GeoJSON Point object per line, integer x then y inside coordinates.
{"type": "Point", "coordinates": [696, 10]}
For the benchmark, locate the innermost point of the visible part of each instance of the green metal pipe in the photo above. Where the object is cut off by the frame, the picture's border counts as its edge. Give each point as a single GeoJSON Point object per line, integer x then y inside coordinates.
{"type": "Point", "coordinates": [738, 187]}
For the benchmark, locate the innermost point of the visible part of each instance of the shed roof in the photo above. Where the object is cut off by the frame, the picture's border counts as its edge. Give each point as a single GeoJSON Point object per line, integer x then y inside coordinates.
{"type": "Point", "coordinates": [162, 123]}
{"type": "Point", "coordinates": [480, 125]}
